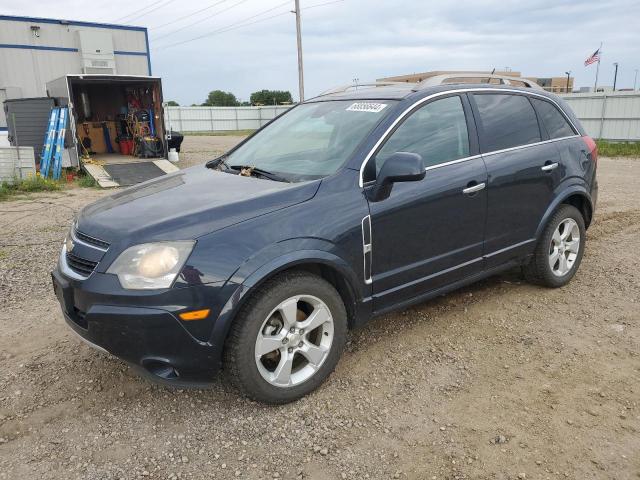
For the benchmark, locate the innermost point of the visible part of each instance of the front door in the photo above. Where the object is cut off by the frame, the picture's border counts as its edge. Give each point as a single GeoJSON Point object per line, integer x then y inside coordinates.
{"type": "Point", "coordinates": [430, 233]}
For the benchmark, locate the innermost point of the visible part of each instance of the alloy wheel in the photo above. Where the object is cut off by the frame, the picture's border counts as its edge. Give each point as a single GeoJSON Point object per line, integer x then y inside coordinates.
{"type": "Point", "coordinates": [564, 247]}
{"type": "Point", "coordinates": [294, 341]}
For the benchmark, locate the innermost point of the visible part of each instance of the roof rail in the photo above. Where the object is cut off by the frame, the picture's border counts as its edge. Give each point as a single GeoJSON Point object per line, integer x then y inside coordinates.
{"type": "Point", "coordinates": [483, 77]}
{"type": "Point", "coordinates": [344, 88]}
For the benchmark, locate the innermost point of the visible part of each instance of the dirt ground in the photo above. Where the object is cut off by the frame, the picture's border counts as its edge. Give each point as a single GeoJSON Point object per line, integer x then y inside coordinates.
{"type": "Point", "coordinates": [501, 380]}
{"type": "Point", "coordinates": [199, 149]}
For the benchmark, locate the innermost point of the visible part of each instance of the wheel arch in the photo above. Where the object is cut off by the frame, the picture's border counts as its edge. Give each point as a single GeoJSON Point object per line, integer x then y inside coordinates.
{"type": "Point", "coordinates": [583, 204]}
{"type": "Point", "coordinates": [576, 196]}
{"type": "Point", "coordinates": [328, 266]}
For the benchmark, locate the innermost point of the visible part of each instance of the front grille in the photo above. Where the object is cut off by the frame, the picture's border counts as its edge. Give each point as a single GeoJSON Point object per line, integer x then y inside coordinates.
{"type": "Point", "coordinates": [81, 266]}
{"type": "Point", "coordinates": [96, 242]}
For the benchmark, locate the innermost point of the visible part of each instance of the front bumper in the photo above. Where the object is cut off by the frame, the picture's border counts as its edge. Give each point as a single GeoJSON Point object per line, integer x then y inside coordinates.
{"type": "Point", "coordinates": [143, 328]}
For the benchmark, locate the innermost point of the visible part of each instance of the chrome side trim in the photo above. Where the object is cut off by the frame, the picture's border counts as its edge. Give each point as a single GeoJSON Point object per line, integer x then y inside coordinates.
{"type": "Point", "coordinates": [64, 268]}
{"type": "Point", "coordinates": [400, 117]}
{"type": "Point", "coordinates": [506, 249]}
{"type": "Point", "coordinates": [367, 250]}
{"type": "Point", "coordinates": [397, 288]}
{"type": "Point", "coordinates": [452, 162]}
{"type": "Point", "coordinates": [522, 147]}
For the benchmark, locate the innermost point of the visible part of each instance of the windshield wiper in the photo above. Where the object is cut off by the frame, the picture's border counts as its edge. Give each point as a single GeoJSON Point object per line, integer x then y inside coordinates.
{"type": "Point", "coordinates": [218, 162]}
{"type": "Point", "coordinates": [261, 172]}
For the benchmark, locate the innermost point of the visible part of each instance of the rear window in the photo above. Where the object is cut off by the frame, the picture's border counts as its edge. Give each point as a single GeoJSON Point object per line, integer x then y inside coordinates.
{"type": "Point", "coordinates": [507, 121]}
{"type": "Point", "coordinates": [553, 121]}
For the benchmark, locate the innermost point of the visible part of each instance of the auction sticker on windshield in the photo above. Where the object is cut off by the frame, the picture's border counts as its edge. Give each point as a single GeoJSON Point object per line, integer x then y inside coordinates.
{"type": "Point", "coordinates": [366, 107]}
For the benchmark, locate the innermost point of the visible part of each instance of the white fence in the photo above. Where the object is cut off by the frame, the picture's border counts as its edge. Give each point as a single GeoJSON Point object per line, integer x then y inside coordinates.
{"type": "Point", "coordinates": [213, 119]}
{"type": "Point", "coordinates": [610, 116]}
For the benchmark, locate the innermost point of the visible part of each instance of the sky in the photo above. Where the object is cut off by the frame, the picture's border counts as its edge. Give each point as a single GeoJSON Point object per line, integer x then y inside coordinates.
{"type": "Point", "coordinates": [249, 45]}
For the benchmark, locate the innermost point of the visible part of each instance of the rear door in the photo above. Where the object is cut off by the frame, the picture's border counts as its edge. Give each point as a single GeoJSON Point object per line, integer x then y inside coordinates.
{"type": "Point", "coordinates": [429, 233]}
{"type": "Point", "coordinates": [522, 172]}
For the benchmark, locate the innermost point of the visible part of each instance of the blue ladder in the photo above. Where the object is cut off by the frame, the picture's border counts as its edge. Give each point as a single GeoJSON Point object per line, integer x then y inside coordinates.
{"type": "Point", "coordinates": [59, 146]}
{"type": "Point", "coordinates": [49, 139]}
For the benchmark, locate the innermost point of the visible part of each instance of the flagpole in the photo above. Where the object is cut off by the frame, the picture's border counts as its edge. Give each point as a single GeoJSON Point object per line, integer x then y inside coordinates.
{"type": "Point", "coordinates": [595, 86]}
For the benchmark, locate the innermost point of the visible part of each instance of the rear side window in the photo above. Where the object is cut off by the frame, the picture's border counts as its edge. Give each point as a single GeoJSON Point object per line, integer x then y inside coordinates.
{"type": "Point", "coordinates": [437, 131]}
{"type": "Point", "coordinates": [507, 121]}
{"type": "Point", "coordinates": [552, 120]}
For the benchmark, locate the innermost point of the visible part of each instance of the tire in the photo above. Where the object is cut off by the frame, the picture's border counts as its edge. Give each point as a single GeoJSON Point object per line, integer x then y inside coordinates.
{"type": "Point", "coordinates": [564, 229]}
{"type": "Point", "coordinates": [273, 318]}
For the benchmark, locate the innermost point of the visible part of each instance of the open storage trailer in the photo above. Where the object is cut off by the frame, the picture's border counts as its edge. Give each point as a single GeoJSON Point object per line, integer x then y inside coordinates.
{"type": "Point", "coordinates": [116, 129]}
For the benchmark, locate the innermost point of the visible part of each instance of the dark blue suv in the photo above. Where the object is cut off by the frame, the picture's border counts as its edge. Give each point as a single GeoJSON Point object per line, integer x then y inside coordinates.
{"type": "Point", "coordinates": [350, 205]}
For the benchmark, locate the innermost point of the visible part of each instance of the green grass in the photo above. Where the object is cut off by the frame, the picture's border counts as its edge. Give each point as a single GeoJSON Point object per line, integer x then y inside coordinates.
{"type": "Point", "coordinates": [29, 185]}
{"type": "Point", "coordinates": [86, 181]}
{"type": "Point", "coordinates": [220, 133]}
{"type": "Point", "coordinates": [618, 149]}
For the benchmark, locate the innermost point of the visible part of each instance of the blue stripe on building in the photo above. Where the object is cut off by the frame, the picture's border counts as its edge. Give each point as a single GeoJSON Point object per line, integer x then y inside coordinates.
{"type": "Point", "coordinates": [63, 49]}
{"type": "Point", "coordinates": [37, 47]}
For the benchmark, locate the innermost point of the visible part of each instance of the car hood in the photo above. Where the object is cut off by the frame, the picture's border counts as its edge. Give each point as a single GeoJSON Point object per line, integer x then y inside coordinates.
{"type": "Point", "coordinates": [186, 205]}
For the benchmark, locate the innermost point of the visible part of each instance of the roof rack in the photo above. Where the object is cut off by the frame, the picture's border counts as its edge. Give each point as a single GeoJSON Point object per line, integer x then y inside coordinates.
{"type": "Point", "coordinates": [482, 77]}
{"type": "Point", "coordinates": [344, 88]}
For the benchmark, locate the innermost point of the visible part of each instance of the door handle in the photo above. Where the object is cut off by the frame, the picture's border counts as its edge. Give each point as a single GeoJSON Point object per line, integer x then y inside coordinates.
{"type": "Point", "coordinates": [474, 188]}
{"type": "Point", "coordinates": [550, 166]}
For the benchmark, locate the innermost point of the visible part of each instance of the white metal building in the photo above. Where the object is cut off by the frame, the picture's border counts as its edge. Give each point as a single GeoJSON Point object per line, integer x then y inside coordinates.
{"type": "Point", "coordinates": [34, 51]}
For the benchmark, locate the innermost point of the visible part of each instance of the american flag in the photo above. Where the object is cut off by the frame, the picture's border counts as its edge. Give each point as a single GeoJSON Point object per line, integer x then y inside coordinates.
{"type": "Point", "coordinates": [595, 57]}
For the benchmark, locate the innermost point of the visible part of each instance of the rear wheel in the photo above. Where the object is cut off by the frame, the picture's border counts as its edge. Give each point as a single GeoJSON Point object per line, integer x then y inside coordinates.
{"type": "Point", "coordinates": [559, 251]}
{"type": "Point", "coordinates": [287, 339]}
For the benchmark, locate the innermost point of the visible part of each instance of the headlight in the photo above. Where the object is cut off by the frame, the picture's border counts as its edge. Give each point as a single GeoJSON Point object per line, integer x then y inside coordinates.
{"type": "Point", "coordinates": [151, 265]}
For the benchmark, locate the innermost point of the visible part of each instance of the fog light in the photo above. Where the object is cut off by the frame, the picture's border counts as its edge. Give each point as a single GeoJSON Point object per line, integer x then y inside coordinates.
{"type": "Point", "coordinates": [194, 315]}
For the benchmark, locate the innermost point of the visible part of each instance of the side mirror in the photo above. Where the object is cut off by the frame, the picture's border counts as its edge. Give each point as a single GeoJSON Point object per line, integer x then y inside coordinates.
{"type": "Point", "coordinates": [399, 167]}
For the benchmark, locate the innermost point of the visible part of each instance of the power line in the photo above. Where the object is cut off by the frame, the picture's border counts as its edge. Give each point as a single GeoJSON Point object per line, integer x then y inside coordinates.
{"type": "Point", "coordinates": [189, 15]}
{"type": "Point", "coordinates": [145, 10]}
{"type": "Point", "coordinates": [232, 26]}
{"type": "Point", "coordinates": [321, 4]}
{"type": "Point", "coordinates": [286, 2]}
{"type": "Point", "coordinates": [241, 23]}
{"type": "Point", "coordinates": [200, 21]}
{"type": "Point", "coordinates": [133, 13]}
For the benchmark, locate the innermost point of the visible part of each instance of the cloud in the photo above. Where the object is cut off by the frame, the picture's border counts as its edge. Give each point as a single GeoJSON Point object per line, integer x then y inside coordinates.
{"type": "Point", "coordinates": [368, 39]}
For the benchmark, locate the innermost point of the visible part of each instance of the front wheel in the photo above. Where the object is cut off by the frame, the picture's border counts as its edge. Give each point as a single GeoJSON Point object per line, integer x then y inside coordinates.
{"type": "Point", "coordinates": [559, 251]}
{"type": "Point", "coordinates": [287, 339]}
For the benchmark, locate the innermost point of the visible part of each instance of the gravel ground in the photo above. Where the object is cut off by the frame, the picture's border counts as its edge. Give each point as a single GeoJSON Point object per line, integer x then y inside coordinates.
{"type": "Point", "coordinates": [198, 149]}
{"type": "Point", "coordinates": [500, 380]}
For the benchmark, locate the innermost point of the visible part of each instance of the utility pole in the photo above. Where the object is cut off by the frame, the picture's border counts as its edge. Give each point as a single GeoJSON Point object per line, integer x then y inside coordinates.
{"type": "Point", "coordinates": [568, 75]}
{"type": "Point", "coordinates": [299, 38]}
{"type": "Point", "coordinates": [615, 76]}
{"type": "Point", "coordinates": [635, 80]}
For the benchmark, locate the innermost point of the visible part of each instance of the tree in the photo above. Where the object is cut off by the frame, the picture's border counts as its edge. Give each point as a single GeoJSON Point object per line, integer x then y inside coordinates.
{"type": "Point", "coordinates": [173, 103]}
{"type": "Point", "coordinates": [269, 97]}
{"type": "Point", "coordinates": [218, 98]}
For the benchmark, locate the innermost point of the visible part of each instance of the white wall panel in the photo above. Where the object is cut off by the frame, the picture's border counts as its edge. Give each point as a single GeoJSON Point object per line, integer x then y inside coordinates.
{"type": "Point", "coordinates": [212, 119]}
{"type": "Point", "coordinates": [609, 116]}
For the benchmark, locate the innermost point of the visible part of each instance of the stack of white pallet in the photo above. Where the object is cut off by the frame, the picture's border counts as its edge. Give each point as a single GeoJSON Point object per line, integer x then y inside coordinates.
{"type": "Point", "coordinates": [16, 163]}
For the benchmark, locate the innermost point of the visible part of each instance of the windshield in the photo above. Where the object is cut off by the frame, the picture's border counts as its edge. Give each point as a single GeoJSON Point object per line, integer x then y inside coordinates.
{"type": "Point", "coordinates": [311, 140]}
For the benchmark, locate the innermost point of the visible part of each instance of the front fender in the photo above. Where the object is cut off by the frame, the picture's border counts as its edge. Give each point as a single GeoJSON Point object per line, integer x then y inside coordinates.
{"type": "Point", "coordinates": [566, 192]}
{"type": "Point", "coordinates": [253, 273]}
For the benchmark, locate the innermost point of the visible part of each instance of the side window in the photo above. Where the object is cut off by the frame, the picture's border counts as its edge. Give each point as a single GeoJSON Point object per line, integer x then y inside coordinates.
{"type": "Point", "coordinates": [507, 120]}
{"type": "Point", "coordinates": [552, 120]}
{"type": "Point", "coordinates": [437, 131]}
